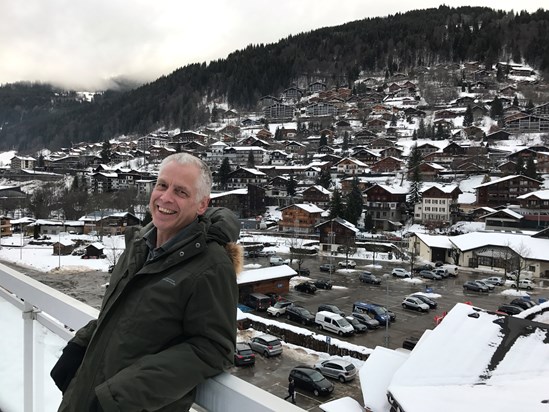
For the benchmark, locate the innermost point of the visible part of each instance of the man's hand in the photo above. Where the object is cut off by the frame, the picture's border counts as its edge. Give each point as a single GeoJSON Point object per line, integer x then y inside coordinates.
{"type": "Point", "coordinates": [67, 365]}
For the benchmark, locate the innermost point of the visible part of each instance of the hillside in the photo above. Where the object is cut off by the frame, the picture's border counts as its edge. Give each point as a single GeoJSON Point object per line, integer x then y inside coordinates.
{"type": "Point", "coordinates": [39, 116]}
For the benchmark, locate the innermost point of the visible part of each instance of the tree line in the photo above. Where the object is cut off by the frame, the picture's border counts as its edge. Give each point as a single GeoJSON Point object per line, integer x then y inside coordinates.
{"type": "Point", "coordinates": [35, 116]}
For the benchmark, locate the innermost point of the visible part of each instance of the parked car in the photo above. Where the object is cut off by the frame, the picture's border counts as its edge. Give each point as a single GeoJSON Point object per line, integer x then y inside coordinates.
{"type": "Point", "coordinates": [369, 277]}
{"type": "Point", "coordinates": [366, 320]}
{"type": "Point", "coordinates": [332, 322]}
{"type": "Point", "coordinates": [339, 369]}
{"type": "Point", "coordinates": [267, 345]}
{"type": "Point", "coordinates": [401, 273]}
{"type": "Point", "coordinates": [443, 273]}
{"type": "Point", "coordinates": [524, 274]}
{"type": "Point", "coordinates": [523, 303]}
{"type": "Point", "coordinates": [474, 286]}
{"type": "Point", "coordinates": [431, 302]}
{"type": "Point", "coordinates": [323, 283]}
{"type": "Point", "coordinates": [307, 287]}
{"type": "Point", "coordinates": [523, 284]}
{"type": "Point", "coordinates": [510, 309]}
{"type": "Point", "coordinates": [495, 280]}
{"type": "Point", "coordinates": [429, 274]}
{"type": "Point", "coordinates": [359, 327]}
{"type": "Point", "coordinates": [276, 261]}
{"type": "Point", "coordinates": [439, 263]}
{"type": "Point", "coordinates": [300, 314]}
{"type": "Point", "coordinates": [426, 266]}
{"type": "Point", "coordinates": [279, 308]}
{"type": "Point", "coordinates": [303, 271]}
{"type": "Point", "coordinates": [414, 303]}
{"type": "Point", "coordinates": [311, 380]}
{"type": "Point", "coordinates": [488, 285]}
{"type": "Point", "coordinates": [327, 267]}
{"type": "Point", "coordinates": [330, 308]}
{"type": "Point", "coordinates": [383, 309]}
{"type": "Point", "coordinates": [243, 354]}
{"type": "Point", "coordinates": [350, 264]}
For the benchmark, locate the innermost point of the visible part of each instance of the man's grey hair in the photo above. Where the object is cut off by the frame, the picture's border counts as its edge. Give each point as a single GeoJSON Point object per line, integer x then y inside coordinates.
{"type": "Point", "coordinates": [204, 183]}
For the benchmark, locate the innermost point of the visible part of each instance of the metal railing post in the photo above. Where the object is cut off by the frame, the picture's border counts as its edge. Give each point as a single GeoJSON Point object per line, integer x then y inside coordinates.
{"type": "Point", "coordinates": [29, 315]}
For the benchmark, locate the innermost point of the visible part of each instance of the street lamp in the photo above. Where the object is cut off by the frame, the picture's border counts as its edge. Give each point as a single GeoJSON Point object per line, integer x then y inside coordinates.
{"type": "Point", "coordinates": [386, 277]}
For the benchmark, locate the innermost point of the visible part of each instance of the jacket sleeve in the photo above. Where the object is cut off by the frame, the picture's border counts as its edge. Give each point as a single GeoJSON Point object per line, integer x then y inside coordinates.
{"type": "Point", "coordinates": [84, 334]}
{"type": "Point", "coordinates": [205, 349]}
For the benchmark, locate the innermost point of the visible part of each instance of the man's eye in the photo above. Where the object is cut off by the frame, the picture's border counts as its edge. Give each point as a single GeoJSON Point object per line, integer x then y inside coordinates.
{"type": "Point", "coordinates": [181, 193]}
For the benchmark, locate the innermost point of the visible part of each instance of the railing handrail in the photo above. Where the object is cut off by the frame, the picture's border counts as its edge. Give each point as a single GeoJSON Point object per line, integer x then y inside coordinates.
{"type": "Point", "coordinates": [63, 314]}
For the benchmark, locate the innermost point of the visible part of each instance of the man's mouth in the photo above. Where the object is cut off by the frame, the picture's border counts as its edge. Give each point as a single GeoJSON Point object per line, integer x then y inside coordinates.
{"type": "Point", "coordinates": [166, 211]}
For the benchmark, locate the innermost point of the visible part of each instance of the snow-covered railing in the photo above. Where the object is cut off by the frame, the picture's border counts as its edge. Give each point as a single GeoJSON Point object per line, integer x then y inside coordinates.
{"type": "Point", "coordinates": [62, 314]}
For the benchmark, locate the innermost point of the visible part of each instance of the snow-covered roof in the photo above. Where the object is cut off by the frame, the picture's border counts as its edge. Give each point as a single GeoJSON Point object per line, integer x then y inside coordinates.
{"type": "Point", "coordinates": [230, 192]}
{"type": "Point", "coordinates": [435, 241]}
{"type": "Point", "coordinates": [253, 171]}
{"type": "Point", "coordinates": [527, 246]}
{"type": "Point", "coordinates": [507, 211]}
{"type": "Point", "coordinates": [441, 187]}
{"type": "Point", "coordinates": [396, 190]}
{"type": "Point", "coordinates": [503, 179]}
{"type": "Point", "coordinates": [266, 273]}
{"type": "Point", "coordinates": [540, 194]}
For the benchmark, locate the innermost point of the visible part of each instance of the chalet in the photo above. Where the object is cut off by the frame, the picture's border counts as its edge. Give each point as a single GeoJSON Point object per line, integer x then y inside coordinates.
{"type": "Point", "coordinates": [507, 168]}
{"type": "Point", "coordinates": [503, 219]}
{"type": "Point", "coordinates": [381, 143]}
{"type": "Point", "coordinates": [427, 148]}
{"type": "Point", "coordinates": [527, 124]}
{"type": "Point", "coordinates": [143, 143]}
{"type": "Point", "coordinates": [317, 195]}
{"type": "Point", "coordinates": [264, 280]}
{"type": "Point", "coordinates": [376, 125]}
{"type": "Point", "coordinates": [316, 87]}
{"type": "Point", "coordinates": [368, 157]}
{"type": "Point", "coordinates": [242, 177]}
{"type": "Point", "coordinates": [454, 149]}
{"type": "Point", "coordinates": [497, 136]}
{"type": "Point", "coordinates": [386, 205]}
{"type": "Point", "coordinates": [336, 232]}
{"type": "Point", "coordinates": [278, 157]}
{"type": "Point", "coordinates": [463, 101]}
{"type": "Point", "coordinates": [239, 155]}
{"type": "Point", "coordinates": [429, 171]}
{"type": "Point", "coordinates": [294, 147]}
{"type": "Point", "coordinates": [300, 218]}
{"type": "Point", "coordinates": [63, 247]}
{"type": "Point", "coordinates": [391, 152]}
{"type": "Point", "coordinates": [266, 101]}
{"type": "Point", "coordinates": [505, 190]}
{"type": "Point", "coordinates": [264, 134]}
{"type": "Point", "coordinates": [387, 165]}
{"type": "Point", "coordinates": [108, 222]}
{"type": "Point", "coordinates": [438, 204]}
{"type": "Point", "coordinates": [349, 166]}
{"type": "Point", "coordinates": [279, 111]}
{"type": "Point", "coordinates": [541, 110]}
{"type": "Point", "coordinates": [364, 135]}
{"type": "Point", "coordinates": [94, 251]}
{"type": "Point", "coordinates": [321, 109]}
{"type": "Point", "coordinates": [22, 162]}
{"type": "Point", "coordinates": [245, 203]}
{"type": "Point", "coordinates": [534, 207]}
{"type": "Point", "coordinates": [292, 93]}
{"type": "Point", "coordinates": [190, 136]}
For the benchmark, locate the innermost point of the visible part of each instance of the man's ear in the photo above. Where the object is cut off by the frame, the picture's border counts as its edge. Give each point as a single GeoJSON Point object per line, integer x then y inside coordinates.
{"type": "Point", "coordinates": [202, 206]}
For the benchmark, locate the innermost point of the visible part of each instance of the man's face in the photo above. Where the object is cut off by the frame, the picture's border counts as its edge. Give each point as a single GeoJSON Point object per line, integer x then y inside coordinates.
{"type": "Point", "coordinates": [174, 202]}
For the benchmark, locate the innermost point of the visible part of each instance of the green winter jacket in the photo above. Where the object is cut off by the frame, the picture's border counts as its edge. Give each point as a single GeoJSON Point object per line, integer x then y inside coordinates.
{"type": "Point", "coordinates": [165, 326]}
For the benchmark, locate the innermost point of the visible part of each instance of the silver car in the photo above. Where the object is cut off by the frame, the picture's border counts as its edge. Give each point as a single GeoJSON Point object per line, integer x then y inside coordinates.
{"type": "Point", "coordinates": [267, 345]}
{"type": "Point", "coordinates": [339, 369]}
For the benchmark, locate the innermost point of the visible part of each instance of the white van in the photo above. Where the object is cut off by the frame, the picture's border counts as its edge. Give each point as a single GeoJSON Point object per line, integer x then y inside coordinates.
{"type": "Point", "coordinates": [276, 261]}
{"type": "Point", "coordinates": [332, 322]}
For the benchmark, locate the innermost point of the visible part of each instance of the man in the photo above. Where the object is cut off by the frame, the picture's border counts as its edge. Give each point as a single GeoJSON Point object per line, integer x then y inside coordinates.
{"type": "Point", "coordinates": [291, 390]}
{"type": "Point", "coordinates": [168, 318]}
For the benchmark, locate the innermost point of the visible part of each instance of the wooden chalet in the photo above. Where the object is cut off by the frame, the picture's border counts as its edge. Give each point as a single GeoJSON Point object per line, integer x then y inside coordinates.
{"type": "Point", "coordinates": [317, 195]}
{"type": "Point", "coordinates": [504, 191]}
{"type": "Point", "coordinates": [300, 218]}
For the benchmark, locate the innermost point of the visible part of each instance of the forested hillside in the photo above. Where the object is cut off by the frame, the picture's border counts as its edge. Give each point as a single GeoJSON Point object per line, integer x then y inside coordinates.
{"type": "Point", "coordinates": [34, 116]}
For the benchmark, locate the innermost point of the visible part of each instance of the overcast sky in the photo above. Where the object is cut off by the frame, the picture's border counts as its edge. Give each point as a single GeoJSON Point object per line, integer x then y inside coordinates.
{"type": "Point", "coordinates": [80, 44]}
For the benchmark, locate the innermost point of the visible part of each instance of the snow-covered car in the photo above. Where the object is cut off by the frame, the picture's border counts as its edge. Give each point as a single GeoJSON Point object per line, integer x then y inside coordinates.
{"type": "Point", "coordinates": [349, 264]}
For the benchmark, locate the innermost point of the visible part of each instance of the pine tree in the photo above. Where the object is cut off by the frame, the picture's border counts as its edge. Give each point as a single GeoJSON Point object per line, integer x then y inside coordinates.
{"type": "Point", "coordinates": [496, 109]}
{"type": "Point", "coordinates": [468, 117]}
{"type": "Point", "coordinates": [355, 203]}
{"type": "Point", "coordinates": [251, 160]}
{"type": "Point", "coordinates": [106, 153]}
{"type": "Point", "coordinates": [414, 161]}
{"type": "Point", "coordinates": [337, 208]}
{"type": "Point", "coordinates": [291, 186]}
{"type": "Point", "coordinates": [519, 166]}
{"type": "Point", "coordinates": [530, 106]}
{"type": "Point", "coordinates": [531, 170]}
{"type": "Point", "coordinates": [421, 129]}
{"type": "Point", "coordinates": [323, 141]}
{"type": "Point", "coordinates": [324, 178]}
{"type": "Point", "coordinates": [223, 173]}
{"type": "Point", "coordinates": [345, 145]}
{"type": "Point", "coordinates": [515, 101]}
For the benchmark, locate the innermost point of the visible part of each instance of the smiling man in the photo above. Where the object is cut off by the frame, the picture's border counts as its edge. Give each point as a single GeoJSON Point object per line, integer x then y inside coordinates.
{"type": "Point", "coordinates": [168, 318]}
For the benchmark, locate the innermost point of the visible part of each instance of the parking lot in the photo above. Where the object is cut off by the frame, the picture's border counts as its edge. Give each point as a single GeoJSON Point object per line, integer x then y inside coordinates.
{"type": "Point", "coordinates": [272, 374]}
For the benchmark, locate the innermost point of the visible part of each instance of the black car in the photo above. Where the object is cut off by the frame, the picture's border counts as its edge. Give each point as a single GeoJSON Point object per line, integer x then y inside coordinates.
{"type": "Point", "coordinates": [300, 314]}
{"type": "Point", "coordinates": [327, 267]}
{"type": "Point", "coordinates": [243, 354]}
{"type": "Point", "coordinates": [326, 307]}
{"type": "Point", "coordinates": [368, 277]}
{"type": "Point", "coordinates": [523, 303]}
{"type": "Point", "coordinates": [510, 309]}
{"type": "Point", "coordinates": [307, 287]}
{"type": "Point", "coordinates": [303, 271]}
{"type": "Point", "coordinates": [358, 327]}
{"type": "Point", "coordinates": [311, 380]}
{"type": "Point", "coordinates": [423, 267]}
{"type": "Point", "coordinates": [323, 284]}
{"type": "Point", "coordinates": [366, 320]}
{"type": "Point", "coordinates": [431, 302]}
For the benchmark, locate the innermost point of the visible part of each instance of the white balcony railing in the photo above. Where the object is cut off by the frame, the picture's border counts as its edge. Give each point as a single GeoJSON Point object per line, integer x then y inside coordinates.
{"type": "Point", "coordinates": [41, 305]}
